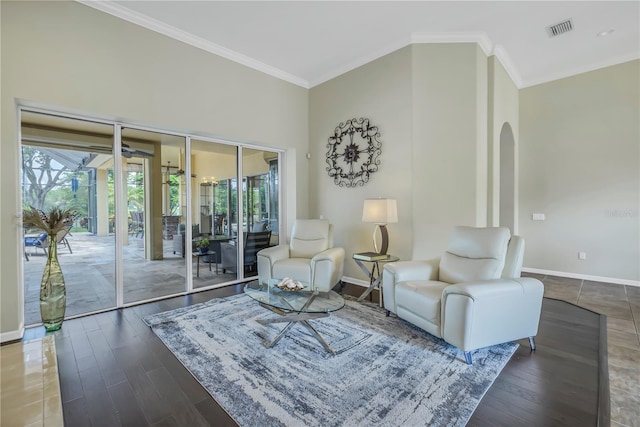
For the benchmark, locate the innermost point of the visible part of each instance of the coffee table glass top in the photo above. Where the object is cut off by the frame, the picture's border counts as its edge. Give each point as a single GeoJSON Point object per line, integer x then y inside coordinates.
{"type": "Point", "coordinates": [324, 302]}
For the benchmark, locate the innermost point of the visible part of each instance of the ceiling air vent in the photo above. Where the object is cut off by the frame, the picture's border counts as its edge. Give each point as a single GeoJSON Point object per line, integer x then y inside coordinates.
{"type": "Point", "coordinates": [560, 28]}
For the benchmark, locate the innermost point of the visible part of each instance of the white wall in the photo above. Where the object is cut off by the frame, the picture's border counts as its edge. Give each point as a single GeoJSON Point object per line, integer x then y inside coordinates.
{"type": "Point", "coordinates": [580, 166]}
{"type": "Point", "coordinates": [449, 145]}
{"type": "Point", "coordinates": [429, 102]}
{"type": "Point", "coordinates": [75, 58]}
{"type": "Point", "coordinates": [381, 92]}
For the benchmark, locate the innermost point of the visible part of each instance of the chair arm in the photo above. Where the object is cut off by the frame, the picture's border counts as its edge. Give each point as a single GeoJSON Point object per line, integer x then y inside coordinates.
{"type": "Point", "coordinates": [331, 254]}
{"type": "Point", "coordinates": [275, 253]}
{"type": "Point", "coordinates": [401, 271]}
{"type": "Point", "coordinates": [516, 287]}
{"type": "Point", "coordinates": [327, 268]}
{"type": "Point", "coordinates": [484, 313]}
{"type": "Point", "coordinates": [267, 258]}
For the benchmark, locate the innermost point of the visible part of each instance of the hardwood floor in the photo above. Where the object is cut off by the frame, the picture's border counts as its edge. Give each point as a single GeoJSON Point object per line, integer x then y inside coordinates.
{"type": "Point", "coordinates": [115, 371]}
{"type": "Point", "coordinates": [557, 385]}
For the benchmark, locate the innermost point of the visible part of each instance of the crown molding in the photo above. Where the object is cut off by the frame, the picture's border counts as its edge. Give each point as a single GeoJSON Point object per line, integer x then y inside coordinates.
{"type": "Point", "coordinates": [575, 71]}
{"type": "Point", "coordinates": [415, 38]}
{"type": "Point", "coordinates": [126, 14]}
{"type": "Point", "coordinates": [114, 9]}
{"type": "Point", "coordinates": [501, 54]}
{"type": "Point", "coordinates": [480, 38]}
{"type": "Point", "coordinates": [363, 60]}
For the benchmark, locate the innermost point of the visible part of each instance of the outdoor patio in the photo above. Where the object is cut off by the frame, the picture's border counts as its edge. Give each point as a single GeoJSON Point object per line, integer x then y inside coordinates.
{"type": "Point", "coordinates": [89, 272]}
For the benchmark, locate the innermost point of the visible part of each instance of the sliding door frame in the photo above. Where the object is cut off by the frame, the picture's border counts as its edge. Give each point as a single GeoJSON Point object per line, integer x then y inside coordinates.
{"type": "Point", "coordinates": [120, 220]}
{"type": "Point", "coordinates": [240, 209]}
{"type": "Point", "coordinates": [187, 227]}
{"type": "Point", "coordinates": [121, 224]}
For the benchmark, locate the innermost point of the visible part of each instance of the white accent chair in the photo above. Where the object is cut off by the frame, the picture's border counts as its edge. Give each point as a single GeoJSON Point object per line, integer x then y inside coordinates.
{"type": "Point", "coordinates": [310, 257]}
{"type": "Point", "coordinates": [472, 296]}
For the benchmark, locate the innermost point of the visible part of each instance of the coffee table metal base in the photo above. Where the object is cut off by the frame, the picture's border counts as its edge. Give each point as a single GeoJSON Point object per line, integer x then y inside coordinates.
{"type": "Point", "coordinates": [293, 317]}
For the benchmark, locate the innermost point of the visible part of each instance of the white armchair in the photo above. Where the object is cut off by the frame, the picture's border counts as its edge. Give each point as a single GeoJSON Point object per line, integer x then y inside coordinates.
{"type": "Point", "coordinates": [473, 295]}
{"type": "Point", "coordinates": [310, 257]}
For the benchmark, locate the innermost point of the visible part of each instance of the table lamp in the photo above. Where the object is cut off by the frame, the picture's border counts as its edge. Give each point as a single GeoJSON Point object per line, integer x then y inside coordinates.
{"type": "Point", "coordinates": [381, 212]}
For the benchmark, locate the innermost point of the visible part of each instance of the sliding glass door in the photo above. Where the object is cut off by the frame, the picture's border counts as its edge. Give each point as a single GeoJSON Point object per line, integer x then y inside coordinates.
{"type": "Point", "coordinates": [68, 163]}
{"type": "Point", "coordinates": [236, 224]}
{"type": "Point", "coordinates": [261, 207]}
{"type": "Point", "coordinates": [159, 213]}
{"type": "Point", "coordinates": [214, 167]}
{"type": "Point", "coordinates": [154, 189]}
{"type": "Point", "coordinates": [261, 193]}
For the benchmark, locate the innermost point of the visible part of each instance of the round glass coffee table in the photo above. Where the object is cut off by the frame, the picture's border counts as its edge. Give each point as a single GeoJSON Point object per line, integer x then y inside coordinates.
{"type": "Point", "coordinates": [294, 307]}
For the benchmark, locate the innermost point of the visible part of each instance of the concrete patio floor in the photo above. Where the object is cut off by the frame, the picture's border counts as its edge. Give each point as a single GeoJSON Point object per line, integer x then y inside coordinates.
{"type": "Point", "coordinates": [89, 272]}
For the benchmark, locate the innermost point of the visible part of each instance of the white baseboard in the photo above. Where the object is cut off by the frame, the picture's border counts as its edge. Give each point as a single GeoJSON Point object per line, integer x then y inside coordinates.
{"type": "Point", "coordinates": [583, 276]}
{"type": "Point", "coordinates": [12, 335]}
{"type": "Point", "coordinates": [355, 281]}
{"type": "Point", "coordinates": [627, 282]}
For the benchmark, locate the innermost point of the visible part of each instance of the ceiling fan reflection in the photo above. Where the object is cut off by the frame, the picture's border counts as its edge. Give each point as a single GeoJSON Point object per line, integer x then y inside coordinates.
{"type": "Point", "coordinates": [180, 172]}
{"type": "Point", "coordinates": [129, 152]}
{"type": "Point", "coordinates": [126, 150]}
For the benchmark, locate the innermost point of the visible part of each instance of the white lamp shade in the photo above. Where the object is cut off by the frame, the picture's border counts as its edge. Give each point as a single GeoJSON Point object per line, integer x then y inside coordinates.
{"type": "Point", "coordinates": [380, 211]}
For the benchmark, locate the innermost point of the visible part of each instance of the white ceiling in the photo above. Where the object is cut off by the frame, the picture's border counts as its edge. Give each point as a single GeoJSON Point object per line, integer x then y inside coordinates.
{"type": "Point", "coordinates": [310, 42]}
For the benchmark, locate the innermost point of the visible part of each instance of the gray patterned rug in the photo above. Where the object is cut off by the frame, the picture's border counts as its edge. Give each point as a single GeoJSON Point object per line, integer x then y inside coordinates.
{"type": "Point", "coordinates": [385, 371]}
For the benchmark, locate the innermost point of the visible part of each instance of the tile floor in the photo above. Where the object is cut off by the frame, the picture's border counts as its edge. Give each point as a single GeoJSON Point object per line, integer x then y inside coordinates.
{"type": "Point", "coordinates": [30, 392]}
{"type": "Point", "coordinates": [621, 304]}
{"type": "Point", "coordinates": [29, 385]}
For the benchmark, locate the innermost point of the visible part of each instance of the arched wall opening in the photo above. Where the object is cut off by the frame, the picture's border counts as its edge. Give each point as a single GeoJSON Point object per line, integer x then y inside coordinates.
{"type": "Point", "coordinates": [507, 178]}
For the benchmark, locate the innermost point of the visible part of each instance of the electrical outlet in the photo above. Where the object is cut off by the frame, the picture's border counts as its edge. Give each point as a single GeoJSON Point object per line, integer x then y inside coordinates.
{"type": "Point", "coordinates": [582, 255]}
{"type": "Point", "coordinates": [538, 217]}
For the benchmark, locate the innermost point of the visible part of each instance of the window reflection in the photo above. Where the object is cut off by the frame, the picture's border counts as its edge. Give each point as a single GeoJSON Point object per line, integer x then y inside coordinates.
{"type": "Point", "coordinates": [260, 192]}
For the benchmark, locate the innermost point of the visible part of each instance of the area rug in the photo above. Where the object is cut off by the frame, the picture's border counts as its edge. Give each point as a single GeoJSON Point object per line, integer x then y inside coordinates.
{"type": "Point", "coordinates": [385, 371]}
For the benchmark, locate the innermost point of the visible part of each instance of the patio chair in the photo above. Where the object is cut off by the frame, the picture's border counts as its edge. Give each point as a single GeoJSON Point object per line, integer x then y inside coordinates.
{"type": "Point", "coordinates": [61, 238]}
{"type": "Point", "coordinates": [42, 242]}
{"type": "Point", "coordinates": [137, 223]}
{"type": "Point", "coordinates": [39, 241]}
{"type": "Point", "coordinates": [253, 243]}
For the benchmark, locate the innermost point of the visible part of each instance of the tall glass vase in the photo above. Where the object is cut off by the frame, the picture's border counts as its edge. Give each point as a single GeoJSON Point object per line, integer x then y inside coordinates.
{"type": "Point", "coordinates": [53, 295]}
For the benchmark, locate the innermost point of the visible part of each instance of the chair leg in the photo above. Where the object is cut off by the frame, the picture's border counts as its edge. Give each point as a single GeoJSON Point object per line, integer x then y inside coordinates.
{"type": "Point", "coordinates": [532, 343]}
{"type": "Point", "coordinates": [467, 356]}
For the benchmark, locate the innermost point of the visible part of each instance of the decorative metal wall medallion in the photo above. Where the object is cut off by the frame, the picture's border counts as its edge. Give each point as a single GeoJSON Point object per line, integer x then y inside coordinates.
{"type": "Point", "coordinates": [351, 161]}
